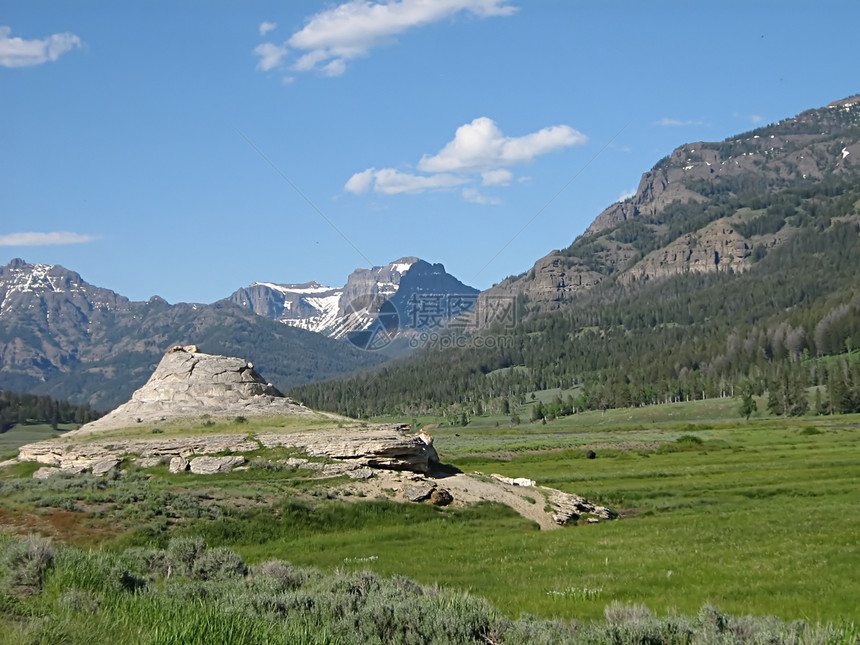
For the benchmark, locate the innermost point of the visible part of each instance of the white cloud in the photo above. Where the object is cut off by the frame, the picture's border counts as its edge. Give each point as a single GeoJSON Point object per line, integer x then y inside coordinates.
{"type": "Point", "coordinates": [474, 196]}
{"type": "Point", "coordinates": [478, 152]}
{"type": "Point", "coordinates": [334, 68]}
{"type": "Point", "coordinates": [481, 145]}
{"type": "Point", "coordinates": [56, 238]}
{"type": "Point", "coordinates": [351, 29]}
{"type": "Point", "coordinates": [17, 52]}
{"type": "Point", "coordinates": [755, 118]}
{"type": "Point", "coordinates": [360, 182]}
{"type": "Point", "coordinates": [266, 27]}
{"type": "Point", "coordinates": [500, 177]}
{"type": "Point", "coordinates": [626, 194]}
{"type": "Point", "coordinates": [671, 123]}
{"type": "Point", "coordinates": [271, 56]}
{"type": "Point", "coordinates": [390, 181]}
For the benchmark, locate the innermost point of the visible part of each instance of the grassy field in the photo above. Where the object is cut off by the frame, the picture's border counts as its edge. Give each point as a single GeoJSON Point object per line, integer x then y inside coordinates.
{"type": "Point", "coordinates": [27, 433]}
{"type": "Point", "coordinates": [756, 518]}
{"type": "Point", "coordinates": [760, 520]}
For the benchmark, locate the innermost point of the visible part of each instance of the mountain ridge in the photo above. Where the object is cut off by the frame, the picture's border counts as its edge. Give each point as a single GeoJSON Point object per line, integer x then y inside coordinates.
{"type": "Point", "coordinates": [816, 145]}
{"type": "Point", "coordinates": [343, 312]}
{"type": "Point", "coordinates": [61, 336]}
{"type": "Point", "coordinates": [749, 281]}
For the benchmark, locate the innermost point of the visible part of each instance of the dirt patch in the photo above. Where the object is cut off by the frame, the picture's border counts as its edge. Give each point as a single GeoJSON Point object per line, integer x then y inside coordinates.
{"type": "Point", "coordinates": [68, 526]}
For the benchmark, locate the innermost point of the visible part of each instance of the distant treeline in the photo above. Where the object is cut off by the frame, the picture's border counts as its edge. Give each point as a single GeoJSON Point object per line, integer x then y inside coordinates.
{"type": "Point", "coordinates": [18, 408]}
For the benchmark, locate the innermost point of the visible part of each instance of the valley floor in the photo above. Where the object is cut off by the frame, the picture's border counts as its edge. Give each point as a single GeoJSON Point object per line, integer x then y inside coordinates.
{"type": "Point", "coordinates": [758, 518]}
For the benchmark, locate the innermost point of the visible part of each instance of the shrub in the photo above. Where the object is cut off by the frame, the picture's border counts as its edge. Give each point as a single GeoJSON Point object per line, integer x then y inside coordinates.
{"type": "Point", "coordinates": [26, 563]}
{"type": "Point", "coordinates": [154, 563]}
{"type": "Point", "coordinates": [617, 613]}
{"type": "Point", "coordinates": [184, 551]}
{"type": "Point", "coordinates": [286, 575]}
{"type": "Point", "coordinates": [689, 439]}
{"type": "Point", "coordinates": [810, 430]}
{"type": "Point", "coordinates": [218, 564]}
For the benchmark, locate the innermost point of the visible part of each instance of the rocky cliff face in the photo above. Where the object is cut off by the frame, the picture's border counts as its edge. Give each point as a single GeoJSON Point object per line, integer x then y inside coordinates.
{"type": "Point", "coordinates": [718, 247]}
{"type": "Point", "coordinates": [811, 147]}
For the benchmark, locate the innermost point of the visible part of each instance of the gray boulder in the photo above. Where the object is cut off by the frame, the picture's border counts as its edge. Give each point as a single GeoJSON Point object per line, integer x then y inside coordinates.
{"type": "Point", "coordinates": [418, 492]}
{"type": "Point", "coordinates": [212, 465]}
{"type": "Point", "coordinates": [178, 465]}
{"type": "Point", "coordinates": [104, 466]}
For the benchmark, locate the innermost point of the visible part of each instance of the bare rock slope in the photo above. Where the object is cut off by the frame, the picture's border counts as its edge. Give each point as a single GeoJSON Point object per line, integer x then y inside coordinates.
{"type": "Point", "coordinates": [188, 384]}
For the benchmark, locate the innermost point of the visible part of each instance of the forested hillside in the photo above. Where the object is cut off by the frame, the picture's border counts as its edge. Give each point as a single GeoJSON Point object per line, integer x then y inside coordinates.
{"type": "Point", "coordinates": [16, 408]}
{"type": "Point", "coordinates": [665, 320]}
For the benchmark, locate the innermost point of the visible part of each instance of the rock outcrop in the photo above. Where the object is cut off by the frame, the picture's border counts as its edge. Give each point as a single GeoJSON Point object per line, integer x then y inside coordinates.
{"type": "Point", "coordinates": [189, 384]}
{"type": "Point", "coordinates": [387, 447]}
{"type": "Point", "coordinates": [212, 465]}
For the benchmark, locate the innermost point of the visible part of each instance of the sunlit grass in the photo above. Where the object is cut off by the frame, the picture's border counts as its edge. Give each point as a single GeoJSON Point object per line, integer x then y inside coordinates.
{"type": "Point", "coordinates": [756, 518]}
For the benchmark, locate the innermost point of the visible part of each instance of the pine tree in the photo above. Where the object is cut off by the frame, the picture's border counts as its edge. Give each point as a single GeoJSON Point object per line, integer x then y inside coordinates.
{"type": "Point", "coordinates": [748, 404]}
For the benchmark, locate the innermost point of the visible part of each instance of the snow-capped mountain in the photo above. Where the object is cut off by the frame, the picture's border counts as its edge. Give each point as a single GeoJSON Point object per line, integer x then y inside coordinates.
{"type": "Point", "coordinates": [54, 287]}
{"type": "Point", "coordinates": [392, 290]}
{"type": "Point", "coordinates": [62, 336]}
{"type": "Point", "coordinates": [310, 305]}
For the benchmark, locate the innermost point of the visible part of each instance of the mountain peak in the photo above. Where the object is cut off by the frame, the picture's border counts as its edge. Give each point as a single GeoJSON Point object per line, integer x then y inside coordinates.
{"type": "Point", "coordinates": [339, 312]}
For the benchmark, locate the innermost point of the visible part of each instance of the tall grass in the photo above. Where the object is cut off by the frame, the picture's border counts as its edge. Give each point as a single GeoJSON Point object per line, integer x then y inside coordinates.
{"type": "Point", "coordinates": [99, 597]}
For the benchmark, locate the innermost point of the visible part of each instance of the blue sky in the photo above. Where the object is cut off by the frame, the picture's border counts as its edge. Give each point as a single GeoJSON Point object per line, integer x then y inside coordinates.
{"type": "Point", "coordinates": [187, 149]}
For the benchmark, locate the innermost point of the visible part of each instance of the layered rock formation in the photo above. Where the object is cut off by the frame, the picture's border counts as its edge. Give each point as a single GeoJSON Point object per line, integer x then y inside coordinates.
{"type": "Point", "coordinates": [388, 447]}
{"type": "Point", "coordinates": [189, 384]}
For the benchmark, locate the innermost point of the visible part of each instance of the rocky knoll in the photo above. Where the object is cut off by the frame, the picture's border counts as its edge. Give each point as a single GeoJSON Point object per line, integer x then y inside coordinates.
{"type": "Point", "coordinates": [188, 384]}
{"type": "Point", "coordinates": [188, 387]}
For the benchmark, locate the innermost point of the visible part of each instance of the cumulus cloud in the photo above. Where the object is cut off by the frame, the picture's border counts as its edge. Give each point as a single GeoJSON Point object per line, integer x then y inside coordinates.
{"type": "Point", "coordinates": [270, 56]}
{"type": "Point", "coordinates": [360, 182]}
{"type": "Point", "coordinates": [626, 194]}
{"type": "Point", "coordinates": [56, 238]}
{"type": "Point", "coordinates": [500, 177]}
{"type": "Point", "coordinates": [389, 181]}
{"type": "Point", "coordinates": [266, 27]}
{"type": "Point", "coordinates": [17, 52]}
{"type": "Point", "coordinates": [479, 152]}
{"type": "Point", "coordinates": [481, 145]}
{"type": "Point", "coordinates": [350, 30]}
{"type": "Point", "coordinates": [672, 123]}
{"type": "Point", "coordinates": [475, 197]}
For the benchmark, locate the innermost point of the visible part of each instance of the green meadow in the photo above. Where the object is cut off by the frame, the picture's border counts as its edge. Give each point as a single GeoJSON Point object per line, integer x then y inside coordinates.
{"type": "Point", "coordinates": [754, 519]}
{"type": "Point", "coordinates": [757, 518]}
